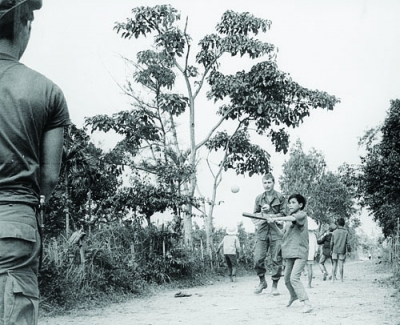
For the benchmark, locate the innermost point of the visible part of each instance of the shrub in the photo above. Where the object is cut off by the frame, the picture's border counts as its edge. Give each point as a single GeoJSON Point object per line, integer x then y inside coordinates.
{"type": "Point", "coordinates": [119, 260]}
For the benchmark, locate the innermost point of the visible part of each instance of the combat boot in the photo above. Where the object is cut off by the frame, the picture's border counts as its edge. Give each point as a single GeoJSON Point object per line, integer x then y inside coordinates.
{"type": "Point", "coordinates": [263, 285]}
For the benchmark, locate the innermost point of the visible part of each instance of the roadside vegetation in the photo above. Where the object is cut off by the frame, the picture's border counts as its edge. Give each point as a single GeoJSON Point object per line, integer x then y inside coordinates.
{"type": "Point", "coordinates": [100, 242]}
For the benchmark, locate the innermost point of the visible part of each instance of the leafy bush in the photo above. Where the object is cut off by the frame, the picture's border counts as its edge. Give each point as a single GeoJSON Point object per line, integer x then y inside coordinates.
{"type": "Point", "coordinates": [119, 261]}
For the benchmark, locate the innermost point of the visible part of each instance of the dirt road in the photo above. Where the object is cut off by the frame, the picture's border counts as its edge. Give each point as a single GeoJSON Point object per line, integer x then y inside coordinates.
{"type": "Point", "coordinates": [364, 298]}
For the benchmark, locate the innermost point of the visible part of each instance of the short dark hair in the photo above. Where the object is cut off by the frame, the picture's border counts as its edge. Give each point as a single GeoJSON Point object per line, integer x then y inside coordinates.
{"type": "Point", "coordinates": [9, 29]}
{"type": "Point", "coordinates": [269, 176]}
{"type": "Point", "coordinates": [299, 198]}
{"type": "Point", "coordinates": [340, 221]}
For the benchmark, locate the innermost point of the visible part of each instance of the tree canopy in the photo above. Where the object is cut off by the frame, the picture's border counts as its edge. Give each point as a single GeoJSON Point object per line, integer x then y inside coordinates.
{"type": "Point", "coordinates": [379, 178]}
{"type": "Point", "coordinates": [160, 132]}
{"type": "Point", "coordinates": [327, 193]}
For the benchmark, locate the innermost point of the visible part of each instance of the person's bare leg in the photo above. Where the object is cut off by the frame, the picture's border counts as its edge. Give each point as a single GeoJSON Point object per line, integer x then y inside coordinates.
{"type": "Point", "coordinates": [341, 269]}
{"type": "Point", "coordinates": [288, 272]}
{"type": "Point", "coordinates": [310, 274]}
{"type": "Point", "coordinates": [292, 299]}
{"type": "Point", "coordinates": [334, 270]}
{"type": "Point", "coordinates": [322, 267]}
{"type": "Point", "coordinates": [307, 306]}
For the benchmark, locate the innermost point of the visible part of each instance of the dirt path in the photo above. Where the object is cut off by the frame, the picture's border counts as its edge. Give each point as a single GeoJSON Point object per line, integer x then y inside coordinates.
{"type": "Point", "coordinates": [364, 298]}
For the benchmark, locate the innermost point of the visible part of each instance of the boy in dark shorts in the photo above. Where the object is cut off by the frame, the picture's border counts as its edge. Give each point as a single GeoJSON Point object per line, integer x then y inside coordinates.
{"type": "Point", "coordinates": [339, 248]}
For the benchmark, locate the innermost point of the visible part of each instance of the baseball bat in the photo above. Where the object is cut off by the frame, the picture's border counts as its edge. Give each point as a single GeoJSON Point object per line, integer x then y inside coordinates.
{"type": "Point", "coordinates": [252, 215]}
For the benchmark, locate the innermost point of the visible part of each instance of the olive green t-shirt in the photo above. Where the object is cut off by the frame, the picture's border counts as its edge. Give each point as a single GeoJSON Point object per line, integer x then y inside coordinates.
{"type": "Point", "coordinates": [30, 104]}
{"type": "Point", "coordinates": [295, 239]}
{"type": "Point", "coordinates": [277, 206]}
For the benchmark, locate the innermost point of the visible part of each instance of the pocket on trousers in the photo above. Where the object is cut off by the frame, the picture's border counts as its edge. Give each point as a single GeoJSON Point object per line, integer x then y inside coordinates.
{"type": "Point", "coordinates": [17, 240]}
{"type": "Point", "coordinates": [21, 299]}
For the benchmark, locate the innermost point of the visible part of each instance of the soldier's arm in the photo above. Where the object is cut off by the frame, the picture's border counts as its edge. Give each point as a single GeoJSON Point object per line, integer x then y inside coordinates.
{"type": "Point", "coordinates": [257, 209]}
{"type": "Point", "coordinates": [50, 160]}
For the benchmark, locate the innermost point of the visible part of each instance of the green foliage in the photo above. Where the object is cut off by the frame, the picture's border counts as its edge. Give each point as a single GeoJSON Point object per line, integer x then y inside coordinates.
{"type": "Point", "coordinates": [147, 19]}
{"type": "Point", "coordinates": [334, 197]}
{"type": "Point", "coordinates": [173, 104]}
{"type": "Point", "coordinates": [234, 29]}
{"type": "Point", "coordinates": [241, 24]}
{"type": "Point", "coordinates": [122, 259]}
{"type": "Point", "coordinates": [327, 193]}
{"type": "Point", "coordinates": [136, 125]}
{"type": "Point", "coordinates": [241, 154]}
{"type": "Point", "coordinates": [111, 266]}
{"type": "Point", "coordinates": [379, 173]}
{"type": "Point", "coordinates": [263, 99]}
{"type": "Point", "coordinates": [266, 96]}
{"type": "Point", "coordinates": [88, 179]}
{"type": "Point", "coordinates": [302, 172]}
{"type": "Point", "coordinates": [247, 242]}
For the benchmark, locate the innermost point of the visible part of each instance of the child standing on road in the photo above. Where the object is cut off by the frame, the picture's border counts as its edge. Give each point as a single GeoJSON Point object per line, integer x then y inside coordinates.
{"type": "Point", "coordinates": [295, 249]}
{"type": "Point", "coordinates": [339, 248]}
{"type": "Point", "coordinates": [231, 248]}
{"type": "Point", "coordinates": [312, 249]}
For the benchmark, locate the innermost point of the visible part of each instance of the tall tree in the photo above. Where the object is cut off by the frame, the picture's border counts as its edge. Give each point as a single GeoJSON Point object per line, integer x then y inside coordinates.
{"type": "Point", "coordinates": [162, 126]}
{"type": "Point", "coordinates": [327, 195]}
{"type": "Point", "coordinates": [379, 178]}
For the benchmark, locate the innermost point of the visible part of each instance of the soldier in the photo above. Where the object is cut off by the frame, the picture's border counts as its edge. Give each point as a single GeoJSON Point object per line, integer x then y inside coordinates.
{"type": "Point", "coordinates": [33, 113]}
{"type": "Point", "coordinates": [272, 204]}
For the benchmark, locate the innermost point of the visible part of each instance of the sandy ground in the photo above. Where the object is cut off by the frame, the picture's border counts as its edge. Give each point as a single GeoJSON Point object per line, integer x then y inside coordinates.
{"type": "Point", "coordinates": [366, 297]}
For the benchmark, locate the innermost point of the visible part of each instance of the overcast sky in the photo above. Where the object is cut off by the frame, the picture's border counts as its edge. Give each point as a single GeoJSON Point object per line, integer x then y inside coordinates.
{"type": "Point", "coordinates": [348, 48]}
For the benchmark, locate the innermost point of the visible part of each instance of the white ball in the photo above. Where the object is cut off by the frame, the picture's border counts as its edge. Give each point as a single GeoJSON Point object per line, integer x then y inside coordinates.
{"type": "Point", "coordinates": [235, 189]}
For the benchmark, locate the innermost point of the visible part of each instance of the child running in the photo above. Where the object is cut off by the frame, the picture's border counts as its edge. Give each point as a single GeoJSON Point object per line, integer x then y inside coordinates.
{"type": "Point", "coordinates": [295, 249]}
{"type": "Point", "coordinates": [325, 241]}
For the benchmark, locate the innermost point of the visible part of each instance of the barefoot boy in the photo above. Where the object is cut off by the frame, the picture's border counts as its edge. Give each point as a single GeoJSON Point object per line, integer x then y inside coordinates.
{"type": "Point", "coordinates": [339, 248]}
{"type": "Point", "coordinates": [295, 249]}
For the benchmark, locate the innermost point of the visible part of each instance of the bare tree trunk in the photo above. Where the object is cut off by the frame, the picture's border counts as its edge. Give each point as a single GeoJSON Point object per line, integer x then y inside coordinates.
{"type": "Point", "coordinates": [66, 206]}
{"type": "Point", "coordinates": [217, 180]}
{"type": "Point", "coordinates": [187, 213]}
{"type": "Point", "coordinates": [187, 226]}
{"type": "Point", "coordinates": [209, 220]}
{"type": "Point", "coordinates": [209, 216]}
{"type": "Point", "coordinates": [148, 220]}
